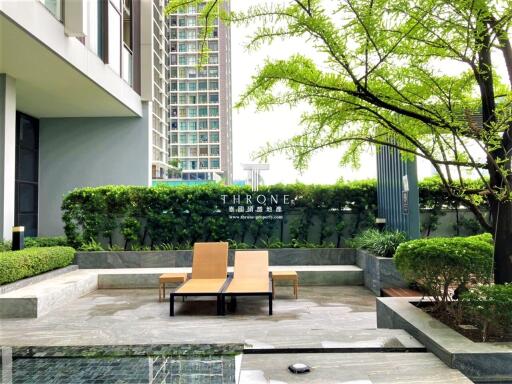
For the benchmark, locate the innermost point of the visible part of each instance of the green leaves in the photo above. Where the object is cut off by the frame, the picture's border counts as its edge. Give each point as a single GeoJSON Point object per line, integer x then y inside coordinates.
{"type": "Point", "coordinates": [17, 265]}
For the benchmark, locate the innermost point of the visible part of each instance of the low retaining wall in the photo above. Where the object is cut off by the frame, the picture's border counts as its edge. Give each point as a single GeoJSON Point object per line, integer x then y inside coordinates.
{"type": "Point", "coordinates": [481, 362]}
{"type": "Point", "coordinates": [379, 272]}
{"type": "Point", "coordinates": [35, 279]}
{"type": "Point", "coordinates": [178, 259]}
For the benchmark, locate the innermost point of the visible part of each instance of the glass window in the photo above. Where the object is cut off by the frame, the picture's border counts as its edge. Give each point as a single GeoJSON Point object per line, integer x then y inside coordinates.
{"type": "Point", "coordinates": [114, 38]}
{"type": "Point", "coordinates": [182, 47]}
{"type": "Point", "coordinates": [181, 22]}
{"type": "Point", "coordinates": [214, 85]}
{"type": "Point", "coordinates": [203, 137]}
{"type": "Point", "coordinates": [213, 71]}
{"type": "Point", "coordinates": [54, 6]}
{"type": "Point", "coordinates": [213, 46]}
{"type": "Point", "coordinates": [202, 85]}
{"type": "Point", "coordinates": [192, 99]}
{"type": "Point", "coordinates": [203, 98]}
{"type": "Point", "coordinates": [214, 137]}
{"type": "Point", "coordinates": [183, 86]}
{"type": "Point", "coordinates": [192, 112]}
{"type": "Point", "coordinates": [214, 150]}
{"type": "Point", "coordinates": [203, 124]}
{"type": "Point", "coordinates": [203, 164]}
{"type": "Point", "coordinates": [214, 97]}
{"type": "Point", "coordinates": [214, 124]}
{"type": "Point", "coordinates": [192, 86]}
{"type": "Point", "coordinates": [127, 24]}
{"type": "Point", "coordinates": [215, 163]}
{"type": "Point", "coordinates": [203, 111]}
{"type": "Point", "coordinates": [214, 111]}
{"type": "Point", "coordinates": [213, 58]}
{"type": "Point", "coordinates": [95, 28]}
{"type": "Point", "coordinates": [203, 150]}
{"type": "Point", "coordinates": [182, 60]}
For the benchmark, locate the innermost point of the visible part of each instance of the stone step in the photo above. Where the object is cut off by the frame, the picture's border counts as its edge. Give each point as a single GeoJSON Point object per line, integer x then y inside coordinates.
{"type": "Point", "coordinates": [40, 298]}
{"type": "Point", "coordinates": [354, 368]}
{"type": "Point", "coordinates": [309, 275]}
{"type": "Point", "coordinates": [329, 340]}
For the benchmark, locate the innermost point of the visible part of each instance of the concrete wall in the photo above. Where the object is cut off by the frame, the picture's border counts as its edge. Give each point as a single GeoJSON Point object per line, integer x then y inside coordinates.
{"type": "Point", "coordinates": [80, 152]}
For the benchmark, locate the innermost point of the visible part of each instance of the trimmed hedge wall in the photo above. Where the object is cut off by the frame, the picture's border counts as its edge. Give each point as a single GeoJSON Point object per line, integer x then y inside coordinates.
{"type": "Point", "coordinates": [17, 265]}
{"type": "Point", "coordinates": [127, 217]}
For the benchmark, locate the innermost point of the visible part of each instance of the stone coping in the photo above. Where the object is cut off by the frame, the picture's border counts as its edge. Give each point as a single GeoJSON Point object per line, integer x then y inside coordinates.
{"type": "Point", "coordinates": [94, 351]}
{"type": "Point", "coordinates": [483, 362]}
{"type": "Point", "coordinates": [36, 279]}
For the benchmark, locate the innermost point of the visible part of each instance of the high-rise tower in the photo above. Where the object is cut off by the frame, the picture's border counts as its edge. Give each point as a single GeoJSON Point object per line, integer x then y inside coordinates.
{"type": "Point", "coordinates": [199, 98]}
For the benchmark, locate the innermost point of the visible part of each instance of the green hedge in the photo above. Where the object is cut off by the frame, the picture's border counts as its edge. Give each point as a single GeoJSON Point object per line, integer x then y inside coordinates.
{"type": "Point", "coordinates": [16, 265]}
{"type": "Point", "coordinates": [174, 217]}
{"type": "Point", "coordinates": [177, 216]}
{"type": "Point", "coordinates": [437, 264]}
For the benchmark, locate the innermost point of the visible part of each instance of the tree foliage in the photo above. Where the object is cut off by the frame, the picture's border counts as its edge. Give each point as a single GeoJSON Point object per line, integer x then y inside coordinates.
{"type": "Point", "coordinates": [378, 77]}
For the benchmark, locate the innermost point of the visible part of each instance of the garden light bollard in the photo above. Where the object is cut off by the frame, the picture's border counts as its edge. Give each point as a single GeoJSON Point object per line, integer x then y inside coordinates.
{"type": "Point", "coordinates": [380, 222]}
{"type": "Point", "coordinates": [18, 238]}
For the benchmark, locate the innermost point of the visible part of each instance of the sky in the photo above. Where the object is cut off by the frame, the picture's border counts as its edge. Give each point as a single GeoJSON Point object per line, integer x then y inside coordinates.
{"type": "Point", "coordinates": [252, 130]}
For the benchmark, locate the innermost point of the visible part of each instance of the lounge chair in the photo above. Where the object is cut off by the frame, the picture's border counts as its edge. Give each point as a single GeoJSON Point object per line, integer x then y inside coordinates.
{"type": "Point", "coordinates": [251, 278]}
{"type": "Point", "coordinates": [209, 274]}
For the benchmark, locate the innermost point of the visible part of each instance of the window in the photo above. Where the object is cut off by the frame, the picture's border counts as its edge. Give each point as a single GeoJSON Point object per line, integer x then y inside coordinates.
{"type": "Point", "coordinates": [214, 150]}
{"type": "Point", "coordinates": [214, 85]}
{"type": "Point", "coordinates": [202, 85]}
{"type": "Point", "coordinates": [203, 111]}
{"type": "Point", "coordinates": [203, 150]}
{"type": "Point", "coordinates": [192, 99]}
{"type": "Point", "coordinates": [95, 28]}
{"type": "Point", "coordinates": [203, 124]}
{"type": "Point", "coordinates": [203, 98]}
{"type": "Point", "coordinates": [214, 124]}
{"type": "Point", "coordinates": [192, 112]}
{"type": "Point", "coordinates": [128, 25]}
{"type": "Point", "coordinates": [55, 7]}
{"type": "Point", "coordinates": [213, 58]}
{"type": "Point", "coordinates": [114, 36]}
{"type": "Point", "coordinates": [192, 86]}
{"type": "Point", "coordinates": [203, 137]}
{"type": "Point", "coordinates": [214, 111]}
{"type": "Point", "coordinates": [214, 137]}
{"type": "Point", "coordinates": [213, 71]}
{"type": "Point", "coordinates": [182, 47]}
{"type": "Point", "coordinates": [203, 164]}
{"type": "Point", "coordinates": [213, 46]}
{"type": "Point", "coordinates": [215, 163]}
{"type": "Point", "coordinates": [181, 22]}
{"type": "Point", "coordinates": [214, 97]}
{"type": "Point", "coordinates": [182, 86]}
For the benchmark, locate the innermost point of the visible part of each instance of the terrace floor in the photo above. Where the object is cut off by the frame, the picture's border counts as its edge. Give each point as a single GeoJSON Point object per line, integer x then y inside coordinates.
{"type": "Point", "coordinates": [331, 319]}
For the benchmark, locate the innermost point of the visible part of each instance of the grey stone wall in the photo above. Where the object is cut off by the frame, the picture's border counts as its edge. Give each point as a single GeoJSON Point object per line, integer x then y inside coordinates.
{"type": "Point", "coordinates": [176, 259]}
{"type": "Point", "coordinates": [379, 272]}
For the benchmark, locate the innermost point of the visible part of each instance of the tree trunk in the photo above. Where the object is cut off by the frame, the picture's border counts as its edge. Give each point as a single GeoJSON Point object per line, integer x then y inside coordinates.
{"type": "Point", "coordinates": [502, 217]}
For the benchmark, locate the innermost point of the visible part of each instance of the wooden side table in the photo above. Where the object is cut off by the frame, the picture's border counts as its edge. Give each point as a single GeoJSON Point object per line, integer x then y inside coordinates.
{"type": "Point", "coordinates": [286, 276]}
{"type": "Point", "coordinates": [169, 278]}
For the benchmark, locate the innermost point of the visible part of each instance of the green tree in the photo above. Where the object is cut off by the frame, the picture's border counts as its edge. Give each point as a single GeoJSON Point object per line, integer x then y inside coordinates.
{"type": "Point", "coordinates": [377, 78]}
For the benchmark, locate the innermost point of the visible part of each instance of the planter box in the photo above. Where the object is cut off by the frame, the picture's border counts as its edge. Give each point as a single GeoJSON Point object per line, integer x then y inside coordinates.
{"type": "Point", "coordinates": [481, 362]}
{"type": "Point", "coordinates": [176, 259]}
{"type": "Point", "coordinates": [379, 272]}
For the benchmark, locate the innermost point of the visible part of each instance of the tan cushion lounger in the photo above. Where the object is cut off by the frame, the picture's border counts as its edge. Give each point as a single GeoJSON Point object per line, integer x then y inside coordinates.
{"type": "Point", "coordinates": [251, 277]}
{"type": "Point", "coordinates": [209, 273]}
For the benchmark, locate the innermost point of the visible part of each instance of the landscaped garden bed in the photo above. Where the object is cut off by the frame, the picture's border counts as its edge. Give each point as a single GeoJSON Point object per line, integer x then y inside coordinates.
{"type": "Point", "coordinates": [464, 319]}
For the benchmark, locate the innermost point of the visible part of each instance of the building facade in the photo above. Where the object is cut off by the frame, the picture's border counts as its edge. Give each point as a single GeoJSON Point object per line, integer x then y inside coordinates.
{"type": "Point", "coordinates": [78, 84]}
{"type": "Point", "coordinates": [199, 137]}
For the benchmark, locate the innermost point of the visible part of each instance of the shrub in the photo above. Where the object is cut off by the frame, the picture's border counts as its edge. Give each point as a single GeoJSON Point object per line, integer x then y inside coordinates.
{"type": "Point", "coordinates": [485, 237]}
{"type": "Point", "coordinates": [379, 243]}
{"type": "Point", "coordinates": [42, 241]}
{"type": "Point", "coordinates": [438, 263]}
{"type": "Point", "coordinates": [16, 265]}
{"type": "Point", "coordinates": [490, 307]}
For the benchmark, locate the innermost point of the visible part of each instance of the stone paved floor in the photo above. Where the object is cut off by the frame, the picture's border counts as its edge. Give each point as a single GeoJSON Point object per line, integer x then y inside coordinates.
{"type": "Point", "coordinates": [322, 317]}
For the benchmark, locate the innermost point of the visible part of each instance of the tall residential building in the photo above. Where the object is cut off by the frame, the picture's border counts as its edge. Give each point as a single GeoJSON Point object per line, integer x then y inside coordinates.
{"type": "Point", "coordinates": [78, 80]}
{"type": "Point", "coordinates": [160, 113]}
{"type": "Point", "coordinates": [199, 98]}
